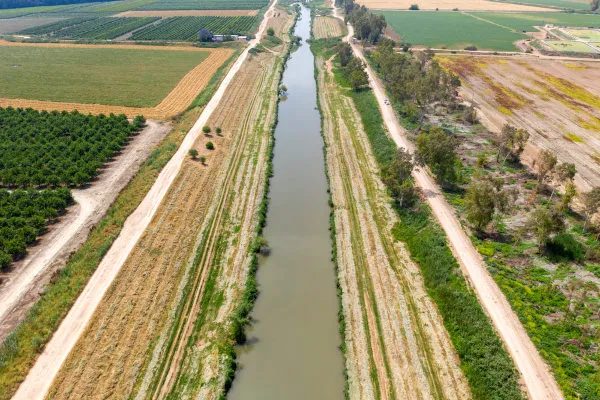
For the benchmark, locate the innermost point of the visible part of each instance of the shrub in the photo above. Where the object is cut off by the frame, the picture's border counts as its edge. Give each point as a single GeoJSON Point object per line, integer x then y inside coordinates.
{"type": "Point", "coordinates": [270, 32]}
{"type": "Point", "coordinates": [565, 245]}
{"type": "Point", "coordinates": [206, 129]}
{"type": "Point", "coordinates": [193, 153]}
{"type": "Point", "coordinates": [414, 7]}
{"type": "Point", "coordinates": [219, 131]}
{"type": "Point", "coordinates": [210, 146]}
{"type": "Point", "coordinates": [471, 48]}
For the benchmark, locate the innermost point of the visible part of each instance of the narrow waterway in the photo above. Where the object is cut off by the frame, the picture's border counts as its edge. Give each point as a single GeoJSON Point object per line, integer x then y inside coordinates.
{"type": "Point", "coordinates": [293, 343]}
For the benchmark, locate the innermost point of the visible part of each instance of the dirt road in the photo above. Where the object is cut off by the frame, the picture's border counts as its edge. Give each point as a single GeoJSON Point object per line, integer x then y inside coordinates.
{"type": "Point", "coordinates": [396, 343]}
{"type": "Point", "coordinates": [41, 376]}
{"type": "Point", "coordinates": [538, 380]}
{"type": "Point", "coordinates": [22, 285]}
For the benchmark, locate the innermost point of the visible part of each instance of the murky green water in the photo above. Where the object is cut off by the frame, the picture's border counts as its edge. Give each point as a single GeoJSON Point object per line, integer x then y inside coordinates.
{"type": "Point", "coordinates": [293, 343]}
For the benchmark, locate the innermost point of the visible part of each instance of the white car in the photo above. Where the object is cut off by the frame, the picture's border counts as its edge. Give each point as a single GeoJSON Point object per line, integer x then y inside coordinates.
{"type": "Point", "coordinates": [387, 102]}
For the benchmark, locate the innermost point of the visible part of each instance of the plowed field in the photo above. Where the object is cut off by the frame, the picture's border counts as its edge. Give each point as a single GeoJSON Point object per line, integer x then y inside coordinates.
{"type": "Point", "coordinates": [327, 27]}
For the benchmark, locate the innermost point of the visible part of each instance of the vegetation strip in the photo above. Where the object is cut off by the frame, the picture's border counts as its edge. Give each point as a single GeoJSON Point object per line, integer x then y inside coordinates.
{"type": "Point", "coordinates": [20, 349]}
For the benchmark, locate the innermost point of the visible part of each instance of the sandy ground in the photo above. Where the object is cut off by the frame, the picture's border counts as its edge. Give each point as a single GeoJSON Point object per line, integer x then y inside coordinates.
{"type": "Point", "coordinates": [177, 101]}
{"type": "Point", "coordinates": [537, 378]}
{"type": "Point", "coordinates": [392, 326]}
{"type": "Point", "coordinates": [327, 27]}
{"type": "Point", "coordinates": [22, 286]}
{"type": "Point", "coordinates": [557, 101]}
{"type": "Point", "coordinates": [463, 5]}
{"type": "Point", "coordinates": [47, 366]}
{"type": "Point", "coordinates": [188, 13]}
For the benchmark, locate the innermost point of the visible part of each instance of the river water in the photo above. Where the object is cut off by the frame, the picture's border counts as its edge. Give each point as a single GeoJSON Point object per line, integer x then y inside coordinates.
{"type": "Point", "coordinates": [292, 351]}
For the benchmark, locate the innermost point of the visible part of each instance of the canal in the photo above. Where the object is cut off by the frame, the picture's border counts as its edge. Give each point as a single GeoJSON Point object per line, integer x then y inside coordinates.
{"type": "Point", "coordinates": [293, 343]}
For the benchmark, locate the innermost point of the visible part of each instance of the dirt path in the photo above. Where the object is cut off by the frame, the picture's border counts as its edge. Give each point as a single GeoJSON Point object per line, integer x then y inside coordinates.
{"type": "Point", "coordinates": [397, 346]}
{"type": "Point", "coordinates": [538, 379]}
{"type": "Point", "coordinates": [22, 285]}
{"type": "Point", "coordinates": [41, 376]}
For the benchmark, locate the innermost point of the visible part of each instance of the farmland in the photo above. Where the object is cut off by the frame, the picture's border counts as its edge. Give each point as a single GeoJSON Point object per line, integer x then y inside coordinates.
{"type": "Point", "coordinates": [186, 28]}
{"type": "Point", "coordinates": [327, 27]}
{"type": "Point", "coordinates": [583, 5]}
{"type": "Point", "coordinates": [95, 28]}
{"type": "Point", "coordinates": [204, 5]}
{"type": "Point", "coordinates": [489, 31]}
{"type": "Point", "coordinates": [447, 5]}
{"type": "Point", "coordinates": [196, 257]}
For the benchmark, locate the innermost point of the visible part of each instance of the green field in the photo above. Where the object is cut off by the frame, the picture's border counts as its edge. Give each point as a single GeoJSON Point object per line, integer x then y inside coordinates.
{"type": "Point", "coordinates": [585, 34]}
{"type": "Point", "coordinates": [129, 77]}
{"type": "Point", "coordinates": [90, 28]}
{"type": "Point", "coordinates": [566, 4]}
{"type": "Point", "coordinates": [485, 30]}
{"type": "Point", "coordinates": [449, 29]}
{"type": "Point", "coordinates": [576, 47]}
{"type": "Point", "coordinates": [186, 28]}
{"type": "Point", "coordinates": [204, 5]}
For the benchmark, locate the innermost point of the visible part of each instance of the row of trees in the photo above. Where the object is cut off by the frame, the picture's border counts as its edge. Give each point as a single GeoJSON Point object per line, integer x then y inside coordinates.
{"type": "Point", "coordinates": [415, 82]}
{"type": "Point", "coordinates": [367, 26]}
{"type": "Point", "coordinates": [39, 148]}
{"type": "Point", "coordinates": [23, 217]}
{"type": "Point", "coordinates": [34, 3]}
{"type": "Point", "coordinates": [352, 67]}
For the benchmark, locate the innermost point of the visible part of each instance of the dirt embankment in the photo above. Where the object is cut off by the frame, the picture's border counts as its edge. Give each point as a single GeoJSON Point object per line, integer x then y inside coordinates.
{"type": "Point", "coordinates": [557, 101]}
{"type": "Point", "coordinates": [397, 346]}
{"type": "Point", "coordinates": [177, 101]}
{"type": "Point", "coordinates": [21, 287]}
{"type": "Point", "coordinates": [161, 328]}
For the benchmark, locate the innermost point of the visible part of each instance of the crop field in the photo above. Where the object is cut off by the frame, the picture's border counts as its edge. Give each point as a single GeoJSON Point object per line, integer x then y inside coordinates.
{"type": "Point", "coordinates": [557, 101]}
{"type": "Point", "coordinates": [469, 5]}
{"type": "Point", "coordinates": [589, 35]}
{"type": "Point", "coordinates": [565, 4]}
{"type": "Point", "coordinates": [186, 28]}
{"type": "Point", "coordinates": [569, 46]}
{"type": "Point", "coordinates": [327, 27]}
{"type": "Point", "coordinates": [96, 28]}
{"type": "Point", "coordinates": [204, 5]}
{"type": "Point", "coordinates": [189, 13]}
{"type": "Point", "coordinates": [380, 285]}
{"type": "Point", "coordinates": [11, 25]}
{"type": "Point", "coordinates": [131, 88]}
{"type": "Point", "coordinates": [485, 30]}
{"type": "Point", "coordinates": [177, 305]}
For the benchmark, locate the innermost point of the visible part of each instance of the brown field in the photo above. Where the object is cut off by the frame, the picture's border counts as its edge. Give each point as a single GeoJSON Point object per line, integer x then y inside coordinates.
{"type": "Point", "coordinates": [188, 13]}
{"type": "Point", "coordinates": [396, 344]}
{"type": "Point", "coordinates": [327, 27]}
{"type": "Point", "coordinates": [463, 5]}
{"type": "Point", "coordinates": [186, 275]}
{"type": "Point", "coordinates": [177, 101]}
{"type": "Point", "coordinates": [557, 101]}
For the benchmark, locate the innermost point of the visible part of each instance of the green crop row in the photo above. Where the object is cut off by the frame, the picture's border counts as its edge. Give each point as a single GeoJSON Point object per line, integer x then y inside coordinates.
{"type": "Point", "coordinates": [187, 28]}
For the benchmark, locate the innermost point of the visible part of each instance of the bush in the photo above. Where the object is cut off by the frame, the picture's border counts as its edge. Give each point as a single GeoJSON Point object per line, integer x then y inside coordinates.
{"type": "Point", "coordinates": [565, 245]}
{"type": "Point", "coordinates": [219, 131]}
{"type": "Point", "coordinates": [471, 48]}
{"type": "Point", "coordinates": [270, 32]}
{"type": "Point", "coordinates": [206, 129]}
{"type": "Point", "coordinates": [210, 146]}
{"type": "Point", "coordinates": [414, 7]}
{"type": "Point", "coordinates": [193, 153]}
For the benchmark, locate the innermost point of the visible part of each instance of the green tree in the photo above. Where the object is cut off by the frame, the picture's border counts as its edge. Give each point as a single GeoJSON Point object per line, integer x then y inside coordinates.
{"type": "Point", "coordinates": [270, 32]}
{"type": "Point", "coordinates": [545, 163]}
{"type": "Point", "coordinates": [511, 142]}
{"type": "Point", "coordinates": [397, 177]}
{"type": "Point", "coordinates": [485, 198]}
{"type": "Point", "coordinates": [206, 129]}
{"type": "Point", "coordinates": [591, 204]}
{"type": "Point", "coordinates": [545, 222]}
{"type": "Point", "coordinates": [210, 146]}
{"type": "Point", "coordinates": [193, 153]}
{"type": "Point", "coordinates": [437, 149]}
{"type": "Point", "coordinates": [344, 52]}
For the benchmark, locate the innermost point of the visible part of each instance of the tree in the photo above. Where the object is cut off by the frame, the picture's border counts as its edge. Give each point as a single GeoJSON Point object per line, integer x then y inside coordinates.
{"type": "Point", "coordinates": [544, 223]}
{"type": "Point", "coordinates": [565, 173]}
{"type": "Point", "coordinates": [271, 32]}
{"type": "Point", "coordinates": [210, 146]}
{"type": "Point", "coordinates": [545, 163]}
{"type": "Point", "coordinates": [591, 204]}
{"type": "Point", "coordinates": [397, 177]}
{"type": "Point", "coordinates": [358, 77]}
{"type": "Point", "coordinates": [219, 131]}
{"type": "Point", "coordinates": [567, 197]}
{"type": "Point", "coordinates": [511, 142]}
{"type": "Point", "coordinates": [344, 52]}
{"type": "Point", "coordinates": [414, 7]}
{"type": "Point", "coordinates": [485, 198]}
{"type": "Point", "coordinates": [206, 129]}
{"type": "Point", "coordinates": [193, 153]}
{"type": "Point", "coordinates": [202, 159]}
{"type": "Point", "coordinates": [204, 35]}
{"type": "Point", "coordinates": [437, 149]}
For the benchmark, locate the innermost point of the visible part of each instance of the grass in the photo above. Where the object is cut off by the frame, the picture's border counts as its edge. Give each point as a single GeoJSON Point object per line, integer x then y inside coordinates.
{"type": "Point", "coordinates": [565, 4]}
{"type": "Point", "coordinates": [567, 46]}
{"type": "Point", "coordinates": [452, 30]}
{"type": "Point", "coordinates": [19, 351]}
{"type": "Point", "coordinates": [485, 30]}
{"type": "Point", "coordinates": [127, 77]}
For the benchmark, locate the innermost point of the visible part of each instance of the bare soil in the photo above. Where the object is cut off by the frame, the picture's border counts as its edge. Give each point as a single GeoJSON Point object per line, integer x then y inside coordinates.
{"type": "Point", "coordinates": [557, 101]}
{"type": "Point", "coordinates": [177, 101]}
{"type": "Point", "coordinates": [21, 287]}
{"type": "Point", "coordinates": [397, 346]}
{"type": "Point", "coordinates": [462, 5]}
{"type": "Point", "coordinates": [188, 13]}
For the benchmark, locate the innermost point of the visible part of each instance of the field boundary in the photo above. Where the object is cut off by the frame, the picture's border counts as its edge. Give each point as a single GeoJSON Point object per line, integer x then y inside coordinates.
{"type": "Point", "coordinates": [177, 101]}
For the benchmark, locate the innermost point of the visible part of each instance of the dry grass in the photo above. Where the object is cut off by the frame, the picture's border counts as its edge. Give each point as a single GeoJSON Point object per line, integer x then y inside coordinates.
{"type": "Point", "coordinates": [177, 101]}
{"type": "Point", "coordinates": [558, 106]}
{"type": "Point", "coordinates": [327, 27]}
{"type": "Point", "coordinates": [463, 5]}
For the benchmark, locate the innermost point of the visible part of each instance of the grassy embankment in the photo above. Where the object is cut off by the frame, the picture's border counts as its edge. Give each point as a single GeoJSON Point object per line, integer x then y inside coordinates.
{"type": "Point", "coordinates": [20, 349]}
{"type": "Point", "coordinates": [484, 361]}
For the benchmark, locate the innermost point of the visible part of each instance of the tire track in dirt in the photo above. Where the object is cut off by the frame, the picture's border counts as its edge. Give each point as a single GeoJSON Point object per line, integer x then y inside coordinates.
{"type": "Point", "coordinates": [397, 345]}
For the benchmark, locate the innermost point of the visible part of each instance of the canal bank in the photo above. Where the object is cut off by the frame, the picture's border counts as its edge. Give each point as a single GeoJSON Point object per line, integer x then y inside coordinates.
{"type": "Point", "coordinates": [293, 343]}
